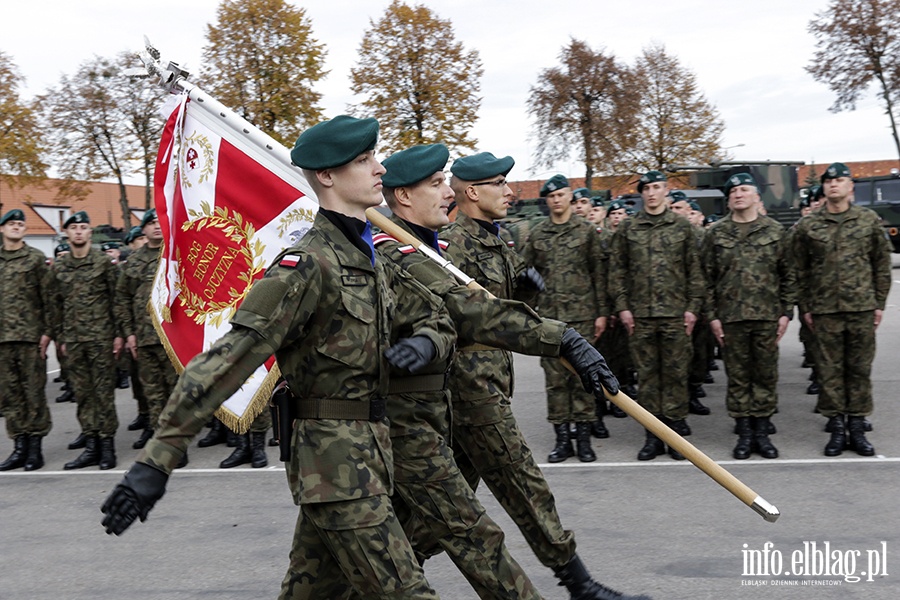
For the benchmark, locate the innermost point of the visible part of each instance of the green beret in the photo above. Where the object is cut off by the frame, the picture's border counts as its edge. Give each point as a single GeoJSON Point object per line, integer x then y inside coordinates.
{"type": "Point", "coordinates": [677, 196]}
{"type": "Point", "coordinates": [109, 246]}
{"type": "Point", "coordinates": [616, 205]}
{"type": "Point", "coordinates": [836, 170]}
{"type": "Point", "coordinates": [13, 215]}
{"type": "Point", "coordinates": [483, 165]}
{"type": "Point", "coordinates": [150, 215]}
{"type": "Point", "coordinates": [557, 182]}
{"type": "Point", "coordinates": [695, 206]}
{"type": "Point", "coordinates": [804, 202]}
{"type": "Point", "coordinates": [580, 193]}
{"type": "Point", "coordinates": [597, 201]}
{"type": "Point", "coordinates": [414, 164]}
{"type": "Point", "coordinates": [710, 219]}
{"type": "Point", "coordinates": [133, 234]}
{"type": "Point", "coordinates": [815, 192]}
{"type": "Point", "coordinates": [334, 143]}
{"type": "Point", "coordinates": [60, 248]}
{"type": "Point", "coordinates": [650, 177]}
{"type": "Point", "coordinates": [79, 217]}
{"type": "Point", "coordinates": [740, 179]}
{"type": "Point", "coordinates": [630, 211]}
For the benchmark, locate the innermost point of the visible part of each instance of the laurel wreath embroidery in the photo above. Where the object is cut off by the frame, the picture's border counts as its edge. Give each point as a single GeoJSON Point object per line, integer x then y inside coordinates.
{"type": "Point", "coordinates": [237, 230]}
{"type": "Point", "coordinates": [298, 214]}
{"type": "Point", "coordinates": [208, 164]}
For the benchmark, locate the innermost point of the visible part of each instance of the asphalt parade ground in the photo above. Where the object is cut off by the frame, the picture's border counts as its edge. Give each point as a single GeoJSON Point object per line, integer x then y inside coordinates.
{"type": "Point", "coordinates": [661, 528]}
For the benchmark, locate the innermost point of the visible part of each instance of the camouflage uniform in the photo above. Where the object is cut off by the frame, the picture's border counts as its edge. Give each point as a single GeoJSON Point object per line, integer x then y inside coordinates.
{"type": "Point", "coordinates": [843, 275]}
{"type": "Point", "coordinates": [613, 344]}
{"type": "Point", "coordinates": [156, 373]}
{"type": "Point", "coordinates": [700, 337]}
{"type": "Point", "coordinates": [751, 286]}
{"type": "Point", "coordinates": [25, 316]}
{"type": "Point", "coordinates": [436, 504]}
{"type": "Point", "coordinates": [655, 273]}
{"type": "Point", "coordinates": [326, 313]}
{"type": "Point", "coordinates": [570, 259]}
{"type": "Point", "coordinates": [83, 290]}
{"type": "Point", "coordinates": [487, 441]}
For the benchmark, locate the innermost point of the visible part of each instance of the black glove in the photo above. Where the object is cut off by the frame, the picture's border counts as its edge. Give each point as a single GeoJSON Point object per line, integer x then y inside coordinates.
{"type": "Point", "coordinates": [411, 353]}
{"type": "Point", "coordinates": [588, 363]}
{"type": "Point", "coordinates": [531, 279]}
{"type": "Point", "coordinates": [141, 487]}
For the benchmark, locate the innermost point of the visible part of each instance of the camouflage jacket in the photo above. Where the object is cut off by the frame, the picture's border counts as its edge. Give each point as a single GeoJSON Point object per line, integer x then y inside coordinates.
{"type": "Point", "coordinates": [485, 373]}
{"type": "Point", "coordinates": [843, 261]}
{"type": "Point", "coordinates": [655, 268]}
{"type": "Point", "coordinates": [328, 316]}
{"type": "Point", "coordinates": [133, 294]}
{"type": "Point", "coordinates": [24, 295]}
{"type": "Point", "coordinates": [83, 293]}
{"type": "Point", "coordinates": [750, 279]}
{"type": "Point", "coordinates": [569, 258]}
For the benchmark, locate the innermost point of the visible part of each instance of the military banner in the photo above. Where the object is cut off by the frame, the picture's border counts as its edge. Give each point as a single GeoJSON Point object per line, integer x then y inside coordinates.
{"type": "Point", "coordinates": [227, 207]}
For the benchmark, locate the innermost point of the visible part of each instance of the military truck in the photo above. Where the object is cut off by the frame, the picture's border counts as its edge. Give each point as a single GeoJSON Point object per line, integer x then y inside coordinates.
{"type": "Point", "coordinates": [881, 193]}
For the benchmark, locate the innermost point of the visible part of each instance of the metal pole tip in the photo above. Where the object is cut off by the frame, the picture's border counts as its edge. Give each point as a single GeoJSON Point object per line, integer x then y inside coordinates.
{"type": "Point", "coordinates": [765, 510]}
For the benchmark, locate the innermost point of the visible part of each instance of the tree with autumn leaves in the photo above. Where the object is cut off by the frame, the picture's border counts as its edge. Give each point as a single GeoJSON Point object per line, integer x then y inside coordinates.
{"type": "Point", "coordinates": [21, 135]}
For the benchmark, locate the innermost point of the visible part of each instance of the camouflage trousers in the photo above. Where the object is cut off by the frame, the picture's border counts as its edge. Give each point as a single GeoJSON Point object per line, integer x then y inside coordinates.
{"type": "Point", "coordinates": [662, 355]}
{"type": "Point", "coordinates": [23, 379]}
{"type": "Point", "coordinates": [567, 402]}
{"type": "Point", "coordinates": [136, 388]}
{"type": "Point", "coordinates": [700, 352]}
{"type": "Point", "coordinates": [488, 445]}
{"type": "Point", "coordinates": [92, 371]}
{"type": "Point", "coordinates": [808, 337]}
{"type": "Point", "coordinates": [751, 364]}
{"type": "Point", "coordinates": [352, 545]}
{"type": "Point", "coordinates": [846, 344]}
{"type": "Point", "coordinates": [158, 378]}
{"type": "Point", "coordinates": [613, 345]}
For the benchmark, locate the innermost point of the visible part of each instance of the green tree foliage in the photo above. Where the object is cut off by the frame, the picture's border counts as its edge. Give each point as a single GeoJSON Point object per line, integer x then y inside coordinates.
{"type": "Point", "coordinates": [89, 130]}
{"type": "Point", "coordinates": [262, 62]}
{"type": "Point", "coordinates": [858, 43]}
{"type": "Point", "coordinates": [21, 137]}
{"type": "Point", "coordinates": [582, 107]}
{"type": "Point", "coordinates": [420, 82]}
{"type": "Point", "coordinates": [675, 123]}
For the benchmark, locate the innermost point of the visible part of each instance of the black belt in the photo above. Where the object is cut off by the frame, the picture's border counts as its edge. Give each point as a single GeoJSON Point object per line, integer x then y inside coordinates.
{"type": "Point", "coordinates": [332, 408]}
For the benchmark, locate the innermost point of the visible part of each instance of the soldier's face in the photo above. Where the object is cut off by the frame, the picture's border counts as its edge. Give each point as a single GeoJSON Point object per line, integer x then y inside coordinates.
{"type": "Point", "coordinates": [359, 181]}
{"type": "Point", "coordinates": [581, 206]}
{"type": "Point", "coordinates": [680, 208]}
{"type": "Point", "coordinates": [138, 242]}
{"type": "Point", "coordinates": [616, 216]}
{"type": "Point", "coordinates": [113, 253]}
{"type": "Point", "coordinates": [430, 200]}
{"type": "Point", "coordinates": [597, 214]}
{"type": "Point", "coordinates": [152, 232]}
{"type": "Point", "coordinates": [837, 189]}
{"type": "Point", "coordinates": [79, 234]}
{"type": "Point", "coordinates": [696, 218]}
{"type": "Point", "coordinates": [494, 197]}
{"type": "Point", "coordinates": [743, 197]}
{"type": "Point", "coordinates": [13, 231]}
{"type": "Point", "coordinates": [654, 195]}
{"type": "Point", "coordinates": [560, 202]}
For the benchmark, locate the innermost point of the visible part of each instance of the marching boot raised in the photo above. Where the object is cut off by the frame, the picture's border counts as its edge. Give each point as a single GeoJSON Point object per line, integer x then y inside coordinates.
{"type": "Point", "coordinates": [575, 577]}
{"type": "Point", "coordinates": [583, 443]}
{"type": "Point", "coordinates": [19, 454]}
{"type": "Point", "coordinates": [88, 458]}
{"type": "Point", "coordinates": [563, 449]}
{"type": "Point", "coordinates": [258, 456]}
{"type": "Point", "coordinates": [241, 455]}
{"type": "Point", "coordinates": [35, 458]}
{"type": "Point", "coordinates": [838, 441]}
{"type": "Point", "coordinates": [858, 439]}
{"type": "Point", "coordinates": [764, 446]}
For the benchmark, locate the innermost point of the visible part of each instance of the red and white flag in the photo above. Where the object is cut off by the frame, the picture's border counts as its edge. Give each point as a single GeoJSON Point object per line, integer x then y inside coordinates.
{"type": "Point", "coordinates": [227, 207]}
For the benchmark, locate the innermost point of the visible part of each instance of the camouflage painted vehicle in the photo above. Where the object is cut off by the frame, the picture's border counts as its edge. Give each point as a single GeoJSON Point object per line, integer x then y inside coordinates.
{"type": "Point", "coordinates": [882, 194]}
{"type": "Point", "coordinates": [522, 216]}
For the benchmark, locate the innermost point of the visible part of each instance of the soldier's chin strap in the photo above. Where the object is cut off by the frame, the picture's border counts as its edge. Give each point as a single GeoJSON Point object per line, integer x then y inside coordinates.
{"type": "Point", "coordinates": [718, 473]}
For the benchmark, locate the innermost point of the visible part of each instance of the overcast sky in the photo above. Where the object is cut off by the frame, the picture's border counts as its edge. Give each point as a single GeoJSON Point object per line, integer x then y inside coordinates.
{"type": "Point", "coordinates": [749, 60]}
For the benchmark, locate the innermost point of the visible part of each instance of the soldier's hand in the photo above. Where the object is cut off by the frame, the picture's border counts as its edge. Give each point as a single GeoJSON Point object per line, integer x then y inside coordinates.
{"type": "Point", "coordinates": [588, 363]}
{"type": "Point", "coordinates": [45, 341]}
{"type": "Point", "coordinates": [690, 319]}
{"type": "Point", "coordinates": [118, 344]}
{"type": "Point", "coordinates": [131, 346]}
{"type": "Point", "coordinates": [782, 327]}
{"type": "Point", "coordinates": [627, 320]}
{"type": "Point", "coordinates": [411, 353]}
{"type": "Point", "coordinates": [808, 319]}
{"type": "Point", "coordinates": [139, 490]}
{"type": "Point", "coordinates": [599, 327]}
{"type": "Point", "coordinates": [718, 332]}
{"type": "Point", "coordinates": [531, 279]}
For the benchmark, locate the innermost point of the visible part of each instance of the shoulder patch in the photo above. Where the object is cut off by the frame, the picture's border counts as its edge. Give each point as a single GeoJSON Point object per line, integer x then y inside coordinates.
{"type": "Point", "coordinates": [443, 244]}
{"type": "Point", "coordinates": [511, 243]}
{"type": "Point", "coordinates": [380, 238]}
{"type": "Point", "coordinates": [289, 261]}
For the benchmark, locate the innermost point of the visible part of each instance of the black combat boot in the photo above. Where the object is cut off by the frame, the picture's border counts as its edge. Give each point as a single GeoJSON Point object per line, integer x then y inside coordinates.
{"type": "Point", "coordinates": [241, 455]}
{"type": "Point", "coordinates": [695, 407]}
{"type": "Point", "coordinates": [142, 441]}
{"type": "Point", "coordinates": [19, 454]}
{"type": "Point", "coordinates": [231, 438]}
{"type": "Point", "coordinates": [88, 458]}
{"type": "Point", "coordinates": [79, 442]}
{"type": "Point", "coordinates": [108, 453]}
{"type": "Point", "coordinates": [764, 446]}
{"type": "Point", "coordinates": [217, 435]}
{"type": "Point", "coordinates": [575, 577]}
{"type": "Point", "coordinates": [680, 426]}
{"type": "Point", "coordinates": [563, 449]}
{"type": "Point", "coordinates": [599, 430]}
{"type": "Point", "coordinates": [183, 462]}
{"type": "Point", "coordinates": [140, 422]}
{"type": "Point", "coordinates": [258, 449]}
{"type": "Point", "coordinates": [858, 440]}
{"type": "Point", "coordinates": [838, 441]}
{"type": "Point", "coordinates": [653, 447]}
{"type": "Point", "coordinates": [122, 379]}
{"type": "Point", "coordinates": [744, 446]}
{"type": "Point", "coordinates": [583, 443]}
{"type": "Point", "coordinates": [35, 458]}
{"type": "Point", "coordinates": [66, 396]}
